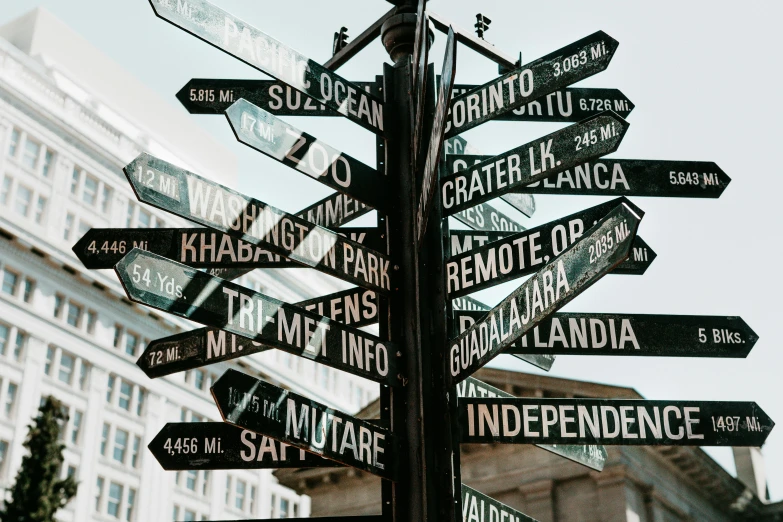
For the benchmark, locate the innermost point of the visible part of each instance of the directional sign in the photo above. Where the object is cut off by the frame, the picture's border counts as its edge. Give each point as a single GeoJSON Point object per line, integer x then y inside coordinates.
{"type": "Point", "coordinates": [355, 306]}
{"type": "Point", "coordinates": [259, 50]}
{"type": "Point", "coordinates": [523, 253]}
{"type": "Point", "coordinates": [197, 247]}
{"type": "Point", "coordinates": [180, 290]}
{"type": "Point", "coordinates": [613, 422]}
{"type": "Point", "coordinates": [277, 139]}
{"type": "Point", "coordinates": [217, 445]}
{"type": "Point", "coordinates": [202, 201]}
{"type": "Point", "coordinates": [657, 178]}
{"type": "Point", "coordinates": [592, 455]}
{"type": "Point", "coordinates": [631, 335]}
{"type": "Point", "coordinates": [478, 507]}
{"type": "Point", "coordinates": [421, 51]}
{"type": "Point", "coordinates": [454, 163]}
{"type": "Point", "coordinates": [430, 178]}
{"type": "Point", "coordinates": [466, 240]}
{"type": "Point", "coordinates": [487, 218]}
{"type": "Point", "coordinates": [283, 415]}
{"type": "Point", "coordinates": [556, 152]}
{"type": "Point", "coordinates": [530, 82]}
{"type": "Point", "coordinates": [619, 177]}
{"type": "Point", "coordinates": [214, 96]}
{"type": "Point", "coordinates": [334, 211]}
{"type": "Point", "coordinates": [562, 279]}
{"type": "Point", "coordinates": [469, 303]}
{"type": "Point", "coordinates": [566, 105]}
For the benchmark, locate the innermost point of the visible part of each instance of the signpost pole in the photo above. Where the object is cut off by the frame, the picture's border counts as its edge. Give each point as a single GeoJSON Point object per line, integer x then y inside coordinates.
{"type": "Point", "coordinates": [420, 414]}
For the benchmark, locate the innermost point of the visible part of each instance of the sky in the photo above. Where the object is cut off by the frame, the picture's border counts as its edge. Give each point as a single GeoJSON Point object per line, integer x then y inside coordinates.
{"type": "Point", "coordinates": [703, 77]}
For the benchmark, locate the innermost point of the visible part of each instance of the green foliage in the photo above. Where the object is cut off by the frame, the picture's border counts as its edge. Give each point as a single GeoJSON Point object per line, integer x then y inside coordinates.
{"type": "Point", "coordinates": [39, 492]}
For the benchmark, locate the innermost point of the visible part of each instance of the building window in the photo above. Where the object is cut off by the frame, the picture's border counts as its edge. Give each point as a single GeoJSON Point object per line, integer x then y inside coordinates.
{"type": "Point", "coordinates": [10, 399]}
{"type": "Point", "coordinates": [104, 438]}
{"type": "Point", "coordinates": [10, 282]}
{"type": "Point", "coordinates": [131, 342]}
{"type": "Point", "coordinates": [228, 488]}
{"type": "Point", "coordinates": [68, 226]}
{"type": "Point", "coordinates": [76, 426]}
{"type": "Point", "coordinates": [129, 217]}
{"type": "Point", "coordinates": [21, 341]}
{"type": "Point", "coordinates": [5, 333]}
{"type": "Point", "coordinates": [131, 503]}
{"type": "Point", "coordinates": [239, 498]}
{"type": "Point", "coordinates": [59, 301]}
{"type": "Point", "coordinates": [252, 507]}
{"type": "Point", "coordinates": [99, 494]}
{"type": "Point", "coordinates": [75, 175]}
{"type": "Point", "coordinates": [5, 189]}
{"type": "Point", "coordinates": [3, 454]}
{"type": "Point", "coordinates": [120, 445]}
{"type": "Point", "coordinates": [284, 507]}
{"type": "Point", "coordinates": [125, 395]}
{"type": "Point", "coordinates": [115, 497]}
{"type": "Point", "coordinates": [24, 196]}
{"type": "Point", "coordinates": [92, 319]}
{"type": "Point", "coordinates": [30, 154]}
{"type": "Point", "coordinates": [40, 210]}
{"type": "Point", "coordinates": [28, 287]}
{"type": "Point", "coordinates": [90, 192]}
{"type": "Point", "coordinates": [141, 394]}
{"type": "Point", "coordinates": [110, 389]}
{"type": "Point", "coordinates": [74, 315]}
{"type": "Point", "coordinates": [135, 451]}
{"type": "Point", "coordinates": [205, 484]}
{"type": "Point", "coordinates": [67, 363]}
{"type": "Point", "coordinates": [84, 375]}
{"type": "Point", "coordinates": [47, 164]}
{"type": "Point", "coordinates": [15, 135]}
{"type": "Point", "coordinates": [198, 379]}
{"type": "Point", "coordinates": [49, 360]}
{"type": "Point", "coordinates": [190, 480]}
{"type": "Point", "coordinates": [144, 219]}
{"type": "Point", "coordinates": [117, 335]}
{"type": "Point", "coordinates": [105, 199]}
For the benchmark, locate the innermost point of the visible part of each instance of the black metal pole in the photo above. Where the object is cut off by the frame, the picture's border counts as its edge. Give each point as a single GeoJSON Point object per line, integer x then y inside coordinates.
{"type": "Point", "coordinates": [422, 410]}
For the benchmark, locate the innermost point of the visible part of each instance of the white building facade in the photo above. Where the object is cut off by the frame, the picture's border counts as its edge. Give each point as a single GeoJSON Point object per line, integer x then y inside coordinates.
{"type": "Point", "coordinates": [71, 333]}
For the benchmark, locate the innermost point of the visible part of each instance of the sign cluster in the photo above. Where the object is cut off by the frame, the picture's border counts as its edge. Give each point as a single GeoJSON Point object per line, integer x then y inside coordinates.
{"type": "Point", "coordinates": [266, 426]}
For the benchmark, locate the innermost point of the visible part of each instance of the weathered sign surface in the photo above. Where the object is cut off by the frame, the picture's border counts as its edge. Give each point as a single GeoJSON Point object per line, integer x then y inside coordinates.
{"type": "Point", "coordinates": [648, 335]}
{"type": "Point", "coordinates": [217, 445]}
{"type": "Point", "coordinates": [435, 146]}
{"type": "Point", "coordinates": [532, 81]}
{"type": "Point", "coordinates": [228, 33]}
{"type": "Point", "coordinates": [566, 105]}
{"type": "Point", "coordinates": [283, 415]}
{"type": "Point", "coordinates": [188, 195]}
{"type": "Point", "coordinates": [620, 177]}
{"type": "Point", "coordinates": [181, 290]}
{"type": "Point", "coordinates": [268, 134]}
{"type": "Point", "coordinates": [562, 279]}
{"type": "Point", "coordinates": [592, 456]}
{"type": "Point", "coordinates": [187, 350]}
{"type": "Point", "coordinates": [523, 253]}
{"type": "Point", "coordinates": [478, 507]}
{"type": "Point", "coordinates": [626, 422]}
{"type": "Point", "coordinates": [528, 163]}
{"type": "Point", "coordinates": [197, 247]}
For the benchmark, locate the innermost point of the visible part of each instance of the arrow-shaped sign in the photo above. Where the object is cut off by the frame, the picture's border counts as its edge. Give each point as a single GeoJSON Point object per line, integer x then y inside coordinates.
{"type": "Point", "coordinates": [102, 248]}
{"type": "Point", "coordinates": [217, 445]}
{"type": "Point", "coordinates": [214, 96]}
{"type": "Point", "coordinates": [279, 140]}
{"type": "Point", "coordinates": [566, 105]}
{"type": "Point", "coordinates": [521, 254]}
{"type": "Point", "coordinates": [620, 177]}
{"type": "Point", "coordinates": [556, 152]}
{"type": "Point", "coordinates": [259, 50]}
{"type": "Point", "coordinates": [480, 507]}
{"type": "Point", "coordinates": [465, 303]}
{"type": "Point", "coordinates": [187, 350]}
{"type": "Point", "coordinates": [522, 202]}
{"type": "Point", "coordinates": [255, 405]}
{"type": "Point", "coordinates": [202, 201]}
{"type": "Point", "coordinates": [435, 146]}
{"type": "Point", "coordinates": [631, 335]}
{"type": "Point", "coordinates": [592, 456]}
{"type": "Point", "coordinates": [562, 279]}
{"type": "Point", "coordinates": [180, 290]}
{"type": "Point", "coordinates": [532, 81]}
{"type": "Point", "coordinates": [613, 422]}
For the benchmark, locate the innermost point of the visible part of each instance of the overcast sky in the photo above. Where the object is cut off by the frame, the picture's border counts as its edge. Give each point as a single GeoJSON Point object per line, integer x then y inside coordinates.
{"type": "Point", "coordinates": [703, 76]}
